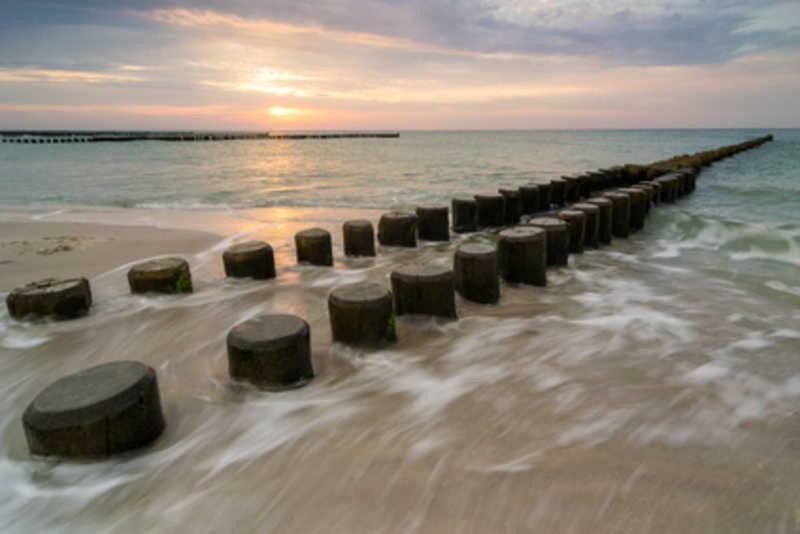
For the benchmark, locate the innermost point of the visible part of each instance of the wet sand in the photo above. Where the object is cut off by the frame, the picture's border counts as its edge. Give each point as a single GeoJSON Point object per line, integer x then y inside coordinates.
{"type": "Point", "coordinates": [630, 395]}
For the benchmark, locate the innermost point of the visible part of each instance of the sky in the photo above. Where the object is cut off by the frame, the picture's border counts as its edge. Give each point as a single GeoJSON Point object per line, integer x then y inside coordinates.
{"type": "Point", "coordinates": [398, 64]}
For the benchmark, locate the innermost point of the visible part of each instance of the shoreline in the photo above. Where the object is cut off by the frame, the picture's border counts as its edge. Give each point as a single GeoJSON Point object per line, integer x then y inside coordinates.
{"type": "Point", "coordinates": [34, 250]}
{"type": "Point", "coordinates": [605, 378]}
{"type": "Point", "coordinates": [85, 241]}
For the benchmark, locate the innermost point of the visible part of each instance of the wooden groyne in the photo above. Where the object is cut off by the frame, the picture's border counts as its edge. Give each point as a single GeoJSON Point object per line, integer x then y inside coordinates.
{"type": "Point", "coordinates": [54, 137]}
{"type": "Point", "coordinates": [533, 229]}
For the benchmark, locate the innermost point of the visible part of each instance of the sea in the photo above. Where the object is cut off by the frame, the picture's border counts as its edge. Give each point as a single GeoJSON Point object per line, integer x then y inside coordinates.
{"type": "Point", "coordinates": [652, 386]}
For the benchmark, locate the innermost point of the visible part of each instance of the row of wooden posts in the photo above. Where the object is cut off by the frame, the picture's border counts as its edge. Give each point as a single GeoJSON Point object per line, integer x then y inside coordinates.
{"type": "Point", "coordinates": [126, 137]}
{"type": "Point", "coordinates": [538, 226]}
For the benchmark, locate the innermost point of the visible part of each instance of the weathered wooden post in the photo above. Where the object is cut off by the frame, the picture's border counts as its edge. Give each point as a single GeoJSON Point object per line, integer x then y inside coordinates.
{"type": "Point", "coordinates": [433, 223]}
{"type": "Point", "coordinates": [691, 177]}
{"type": "Point", "coordinates": [359, 238]}
{"type": "Point", "coordinates": [475, 270]}
{"type": "Point", "coordinates": [572, 189]}
{"type": "Point", "coordinates": [465, 215]}
{"type": "Point", "coordinates": [558, 188]}
{"type": "Point", "coordinates": [655, 186]}
{"type": "Point", "coordinates": [103, 410]}
{"type": "Point", "coordinates": [425, 289]}
{"type": "Point", "coordinates": [545, 192]}
{"type": "Point", "coordinates": [163, 275]}
{"type": "Point", "coordinates": [577, 228]}
{"type": "Point", "coordinates": [621, 213]}
{"type": "Point", "coordinates": [522, 252]}
{"type": "Point", "coordinates": [638, 201]}
{"type": "Point", "coordinates": [529, 197]}
{"type": "Point", "coordinates": [605, 219]}
{"type": "Point", "coordinates": [668, 186]}
{"type": "Point", "coordinates": [398, 229]}
{"type": "Point", "coordinates": [586, 184]}
{"type": "Point", "coordinates": [251, 259]}
{"type": "Point", "coordinates": [649, 191]}
{"type": "Point", "coordinates": [491, 211]}
{"type": "Point", "coordinates": [681, 184]}
{"type": "Point", "coordinates": [314, 246]}
{"type": "Point", "coordinates": [361, 314]}
{"type": "Point", "coordinates": [674, 185]}
{"type": "Point", "coordinates": [271, 351]}
{"type": "Point", "coordinates": [557, 239]}
{"type": "Point", "coordinates": [60, 299]}
{"type": "Point", "coordinates": [512, 205]}
{"type": "Point", "coordinates": [592, 213]}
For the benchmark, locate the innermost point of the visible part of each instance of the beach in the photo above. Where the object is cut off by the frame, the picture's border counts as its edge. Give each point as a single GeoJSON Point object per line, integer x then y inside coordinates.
{"type": "Point", "coordinates": [589, 395]}
{"type": "Point", "coordinates": [36, 250]}
{"type": "Point", "coordinates": [651, 386]}
{"type": "Point", "coordinates": [391, 267]}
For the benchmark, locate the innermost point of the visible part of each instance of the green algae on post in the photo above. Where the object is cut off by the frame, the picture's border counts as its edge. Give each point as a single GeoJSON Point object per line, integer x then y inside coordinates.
{"type": "Point", "coordinates": [251, 259]}
{"type": "Point", "coordinates": [164, 275]}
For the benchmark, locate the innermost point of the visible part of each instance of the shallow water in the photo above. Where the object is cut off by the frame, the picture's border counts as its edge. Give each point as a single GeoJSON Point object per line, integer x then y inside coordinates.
{"type": "Point", "coordinates": [652, 386]}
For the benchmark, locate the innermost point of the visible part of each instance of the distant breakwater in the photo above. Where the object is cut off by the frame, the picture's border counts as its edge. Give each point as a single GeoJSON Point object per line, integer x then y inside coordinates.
{"type": "Point", "coordinates": [51, 137]}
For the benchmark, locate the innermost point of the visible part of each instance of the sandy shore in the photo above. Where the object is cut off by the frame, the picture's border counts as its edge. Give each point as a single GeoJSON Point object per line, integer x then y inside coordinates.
{"type": "Point", "coordinates": [85, 241]}
{"type": "Point", "coordinates": [624, 396]}
{"type": "Point", "coordinates": [34, 250]}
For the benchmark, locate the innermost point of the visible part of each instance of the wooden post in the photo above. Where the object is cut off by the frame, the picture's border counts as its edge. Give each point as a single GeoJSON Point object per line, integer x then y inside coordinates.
{"type": "Point", "coordinates": [557, 239]}
{"type": "Point", "coordinates": [433, 223]}
{"type": "Point", "coordinates": [398, 229]}
{"type": "Point", "coordinates": [103, 410]}
{"type": "Point", "coordinates": [465, 213]}
{"type": "Point", "coordinates": [359, 238]}
{"type": "Point", "coordinates": [522, 253]}
{"type": "Point", "coordinates": [475, 271]}
{"type": "Point", "coordinates": [253, 259]}
{"type": "Point", "coordinates": [361, 314]}
{"type": "Point", "coordinates": [425, 289]}
{"type": "Point", "coordinates": [271, 351]}
{"type": "Point", "coordinates": [314, 246]}
{"type": "Point", "coordinates": [490, 210]}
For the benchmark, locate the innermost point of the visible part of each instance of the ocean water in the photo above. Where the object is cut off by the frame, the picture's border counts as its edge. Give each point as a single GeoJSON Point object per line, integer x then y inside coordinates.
{"type": "Point", "coordinates": [652, 386]}
{"type": "Point", "coordinates": [378, 173]}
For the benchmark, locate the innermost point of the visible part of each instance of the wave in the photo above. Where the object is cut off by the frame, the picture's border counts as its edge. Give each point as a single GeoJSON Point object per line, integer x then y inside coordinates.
{"type": "Point", "coordinates": [740, 241]}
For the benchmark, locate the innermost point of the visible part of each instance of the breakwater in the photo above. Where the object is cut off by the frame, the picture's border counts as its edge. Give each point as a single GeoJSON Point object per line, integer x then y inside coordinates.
{"type": "Point", "coordinates": [420, 289]}
{"type": "Point", "coordinates": [51, 137]}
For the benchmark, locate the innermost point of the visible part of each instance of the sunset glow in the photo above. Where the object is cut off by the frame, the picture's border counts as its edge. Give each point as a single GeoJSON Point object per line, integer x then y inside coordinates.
{"type": "Point", "coordinates": [278, 111]}
{"type": "Point", "coordinates": [381, 65]}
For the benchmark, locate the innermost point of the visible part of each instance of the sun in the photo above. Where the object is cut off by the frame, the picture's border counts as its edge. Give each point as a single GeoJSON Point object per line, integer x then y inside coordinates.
{"type": "Point", "coordinates": [279, 111]}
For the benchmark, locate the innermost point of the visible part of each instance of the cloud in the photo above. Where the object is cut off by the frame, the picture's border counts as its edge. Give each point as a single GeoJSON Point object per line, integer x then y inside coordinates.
{"type": "Point", "coordinates": [261, 27]}
{"type": "Point", "coordinates": [657, 32]}
{"type": "Point", "coordinates": [42, 75]}
{"type": "Point", "coordinates": [402, 63]}
{"type": "Point", "coordinates": [661, 32]}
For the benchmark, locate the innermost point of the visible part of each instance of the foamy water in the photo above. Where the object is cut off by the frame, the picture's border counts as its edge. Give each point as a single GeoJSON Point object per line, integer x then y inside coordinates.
{"type": "Point", "coordinates": [652, 386]}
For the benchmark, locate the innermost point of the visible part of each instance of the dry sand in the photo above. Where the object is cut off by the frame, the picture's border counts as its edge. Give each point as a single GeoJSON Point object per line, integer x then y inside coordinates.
{"type": "Point", "coordinates": [35, 250]}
